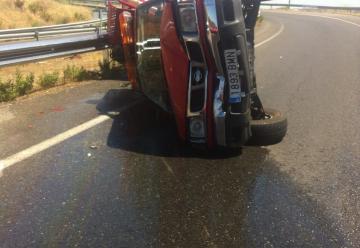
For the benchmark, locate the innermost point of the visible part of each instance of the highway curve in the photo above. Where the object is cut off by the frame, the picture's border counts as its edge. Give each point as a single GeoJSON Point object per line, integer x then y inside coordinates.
{"type": "Point", "coordinates": [124, 181]}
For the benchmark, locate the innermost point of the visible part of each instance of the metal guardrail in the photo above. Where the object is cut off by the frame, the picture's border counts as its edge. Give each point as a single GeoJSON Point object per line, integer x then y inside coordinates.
{"type": "Point", "coordinates": [23, 52]}
{"type": "Point", "coordinates": [56, 41]}
{"type": "Point", "coordinates": [89, 5]}
{"type": "Point", "coordinates": [94, 26]}
{"type": "Point", "coordinates": [100, 4]}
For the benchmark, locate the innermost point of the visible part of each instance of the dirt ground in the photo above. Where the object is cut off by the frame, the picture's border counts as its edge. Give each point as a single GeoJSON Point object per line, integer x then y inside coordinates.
{"type": "Point", "coordinates": [34, 13]}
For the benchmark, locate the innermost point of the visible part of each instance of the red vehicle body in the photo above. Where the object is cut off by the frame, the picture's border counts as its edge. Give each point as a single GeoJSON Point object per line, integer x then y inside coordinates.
{"type": "Point", "coordinates": [195, 59]}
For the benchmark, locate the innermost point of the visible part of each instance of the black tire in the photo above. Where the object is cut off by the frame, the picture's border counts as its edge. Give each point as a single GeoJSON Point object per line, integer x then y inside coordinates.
{"type": "Point", "coordinates": [269, 131]}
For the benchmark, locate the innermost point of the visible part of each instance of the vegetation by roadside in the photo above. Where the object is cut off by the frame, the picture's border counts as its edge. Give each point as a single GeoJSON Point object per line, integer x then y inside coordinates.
{"type": "Point", "coordinates": [21, 85]}
{"type": "Point", "coordinates": [32, 13]}
{"type": "Point", "coordinates": [49, 80]}
{"type": "Point", "coordinates": [24, 83]}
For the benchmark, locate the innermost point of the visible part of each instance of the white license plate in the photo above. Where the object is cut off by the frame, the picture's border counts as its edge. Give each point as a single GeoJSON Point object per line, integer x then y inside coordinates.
{"type": "Point", "coordinates": [232, 64]}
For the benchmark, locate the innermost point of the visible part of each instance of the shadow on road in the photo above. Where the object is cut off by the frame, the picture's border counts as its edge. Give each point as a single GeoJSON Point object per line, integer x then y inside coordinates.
{"type": "Point", "coordinates": [178, 198]}
{"type": "Point", "coordinates": [241, 201]}
{"type": "Point", "coordinates": [145, 128]}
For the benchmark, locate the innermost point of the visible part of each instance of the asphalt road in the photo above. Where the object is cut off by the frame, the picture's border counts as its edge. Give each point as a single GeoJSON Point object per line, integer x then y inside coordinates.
{"type": "Point", "coordinates": [126, 182]}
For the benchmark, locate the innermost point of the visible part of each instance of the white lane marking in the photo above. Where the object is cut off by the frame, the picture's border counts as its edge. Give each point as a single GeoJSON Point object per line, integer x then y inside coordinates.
{"type": "Point", "coordinates": [322, 16]}
{"type": "Point", "coordinates": [31, 151]}
{"type": "Point", "coordinates": [46, 144]}
{"type": "Point", "coordinates": [271, 37]}
{"type": "Point", "coordinates": [339, 19]}
{"type": "Point", "coordinates": [168, 166]}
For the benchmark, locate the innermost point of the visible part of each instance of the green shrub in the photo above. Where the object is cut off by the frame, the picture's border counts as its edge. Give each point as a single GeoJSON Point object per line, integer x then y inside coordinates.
{"type": "Point", "coordinates": [23, 85]}
{"type": "Point", "coordinates": [48, 80]}
{"type": "Point", "coordinates": [77, 74]}
{"type": "Point", "coordinates": [68, 73]}
{"type": "Point", "coordinates": [81, 75]}
{"type": "Point", "coordinates": [105, 68]}
{"type": "Point", "coordinates": [109, 69]}
{"type": "Point", "coordinates": [7, 91]}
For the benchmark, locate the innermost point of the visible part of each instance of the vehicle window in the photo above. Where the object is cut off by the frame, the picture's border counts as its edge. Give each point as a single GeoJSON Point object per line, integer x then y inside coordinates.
{"type": "Point", "coordinates": [149, 65]}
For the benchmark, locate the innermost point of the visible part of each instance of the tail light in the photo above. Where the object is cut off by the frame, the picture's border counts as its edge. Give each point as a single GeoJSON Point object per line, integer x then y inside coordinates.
{"type": "Point", "coordinates": [126, 28]}
{"type": "Point", "coordinates": [126, 21]}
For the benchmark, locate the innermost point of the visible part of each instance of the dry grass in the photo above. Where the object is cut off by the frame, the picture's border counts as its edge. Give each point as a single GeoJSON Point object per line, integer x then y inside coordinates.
{"type": "Point", "coordinates": [24, 79]}
{"type": "Point", "coordinates": [31, 13]}
{"type": "Point", "coordinates": [90, 61]}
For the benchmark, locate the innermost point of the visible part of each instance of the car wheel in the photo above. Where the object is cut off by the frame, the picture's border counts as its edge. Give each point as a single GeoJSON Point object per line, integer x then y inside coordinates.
{"type": "Point", "coordinates": [269, 130]}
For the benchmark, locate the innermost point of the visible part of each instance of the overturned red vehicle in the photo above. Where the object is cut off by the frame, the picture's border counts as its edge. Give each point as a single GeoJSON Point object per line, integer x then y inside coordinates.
{"type": "Point", "coordinates": [195, 59]}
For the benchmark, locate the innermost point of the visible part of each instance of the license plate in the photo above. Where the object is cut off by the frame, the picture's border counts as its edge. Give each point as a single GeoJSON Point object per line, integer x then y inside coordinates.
{"type": "Point", "coordinates": [232, 64]}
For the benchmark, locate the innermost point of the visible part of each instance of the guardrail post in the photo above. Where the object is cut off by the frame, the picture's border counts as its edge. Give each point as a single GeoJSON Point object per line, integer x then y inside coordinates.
{"type": "Point", "coordinates": [37, 35]}
{"type": "Point", "coordinates": [100, 18]}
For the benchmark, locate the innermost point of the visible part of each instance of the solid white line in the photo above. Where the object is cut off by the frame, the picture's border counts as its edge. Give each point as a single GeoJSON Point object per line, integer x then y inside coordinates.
{"type": "Point", "coordinates": [271, 37]}
{"type": "Point", "coordinates": [20, 156]}
{"type": "Point", "coordinates": [46, 144]}
{"type": "Point", "coordinates": [338, 19]}
{"type": "Point", "coordinates": [321, 16]}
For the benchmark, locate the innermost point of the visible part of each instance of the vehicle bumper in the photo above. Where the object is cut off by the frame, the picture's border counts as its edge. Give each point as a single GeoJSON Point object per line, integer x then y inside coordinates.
{"type": "Point", "coordinates": [226, 32]}
{"type": "Point", "coordinates": [212, 116]}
